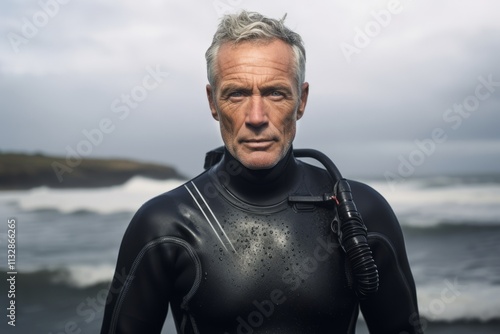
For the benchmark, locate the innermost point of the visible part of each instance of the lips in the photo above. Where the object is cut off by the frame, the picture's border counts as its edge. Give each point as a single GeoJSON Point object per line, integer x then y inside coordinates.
{"type": "Point", "coordinates": [257, 140]}
{"type": "Point", "coordinates": [258, 143]}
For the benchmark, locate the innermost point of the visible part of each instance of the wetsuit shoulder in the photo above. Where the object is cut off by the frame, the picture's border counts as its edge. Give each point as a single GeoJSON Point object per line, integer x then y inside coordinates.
{"type": "Point", "coordinates": [157, 238]}
{"type": "Point", "coordinates": [164, 215]}
{"type": "Point", "coordinates": [156, 215]}
{"type": "Point", "coordinates": [393, 308]}
{"type": "Point", "coordinates": [377, 214]}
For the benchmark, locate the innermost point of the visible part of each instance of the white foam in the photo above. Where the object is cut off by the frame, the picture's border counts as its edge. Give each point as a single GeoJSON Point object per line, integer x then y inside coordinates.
{"type": "Point", "coordinates": [449, 301]}
{"type": "Point", "coordinates": [453, 203]}
{"type": "Point", "coordinates": [84, 275]}
{"type": "Point", "coordinates": [127, 197]}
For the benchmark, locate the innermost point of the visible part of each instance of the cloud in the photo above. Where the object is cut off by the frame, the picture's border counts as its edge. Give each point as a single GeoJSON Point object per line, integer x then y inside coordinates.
{"type": "Point", "coordinates": [394, 90]}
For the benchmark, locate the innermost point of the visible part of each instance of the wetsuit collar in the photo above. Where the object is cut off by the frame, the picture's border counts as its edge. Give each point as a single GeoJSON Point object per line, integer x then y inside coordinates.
{"type": "Point", "coordinates": [260, 187]}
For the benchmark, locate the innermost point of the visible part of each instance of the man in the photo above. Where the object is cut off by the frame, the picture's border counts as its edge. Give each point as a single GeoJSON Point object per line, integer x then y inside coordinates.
{"type": "Point", "coordinates": [230, 251]}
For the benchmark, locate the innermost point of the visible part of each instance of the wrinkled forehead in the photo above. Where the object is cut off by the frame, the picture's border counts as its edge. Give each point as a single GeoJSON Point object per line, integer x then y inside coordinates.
{"type": "Point", "coordinates": [266, 57]}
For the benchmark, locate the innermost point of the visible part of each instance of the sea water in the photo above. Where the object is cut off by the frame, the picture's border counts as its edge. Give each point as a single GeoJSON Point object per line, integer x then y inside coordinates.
{"type": "Point", "coordinates": [67, 243]}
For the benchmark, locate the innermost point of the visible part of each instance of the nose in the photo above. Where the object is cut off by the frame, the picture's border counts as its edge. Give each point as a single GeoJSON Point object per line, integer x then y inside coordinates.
{"type": "Point", "coordinates": [256, 115]}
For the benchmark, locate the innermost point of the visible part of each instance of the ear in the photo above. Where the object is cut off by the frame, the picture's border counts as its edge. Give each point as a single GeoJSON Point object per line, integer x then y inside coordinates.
{"type": "Point", "coordinates": [211, 103]}
{"type": "Point", "coordinates": [303, 100]}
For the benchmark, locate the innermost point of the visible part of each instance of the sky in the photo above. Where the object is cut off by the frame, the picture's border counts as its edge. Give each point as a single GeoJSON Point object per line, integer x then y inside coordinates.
{"type": "Point", "coordinates": [398, 89]}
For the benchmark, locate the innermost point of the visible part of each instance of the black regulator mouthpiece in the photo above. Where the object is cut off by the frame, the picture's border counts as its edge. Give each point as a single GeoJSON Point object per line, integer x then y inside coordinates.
{"type": "Point", "coordinates": [351, 230]}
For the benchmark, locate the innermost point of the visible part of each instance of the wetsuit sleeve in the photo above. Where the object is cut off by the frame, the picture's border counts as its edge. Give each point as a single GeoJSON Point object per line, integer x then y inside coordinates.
{"type": "Point", "coordinates": [142, 285]}
{"type": "Point", "coordinates": [393, 309]}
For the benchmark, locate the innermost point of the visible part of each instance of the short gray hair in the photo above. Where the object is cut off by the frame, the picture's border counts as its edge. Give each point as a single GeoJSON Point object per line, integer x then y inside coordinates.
{"type": "Point", "coordinates": [252, 26]}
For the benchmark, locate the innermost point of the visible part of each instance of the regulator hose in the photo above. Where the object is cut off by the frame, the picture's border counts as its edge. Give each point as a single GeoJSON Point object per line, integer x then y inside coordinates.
{"type": "Point", "coordinates": [352, 232]}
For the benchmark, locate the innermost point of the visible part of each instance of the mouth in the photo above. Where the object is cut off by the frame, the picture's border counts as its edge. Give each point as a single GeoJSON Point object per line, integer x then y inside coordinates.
{"type": "Point", "coordinates": [258, 143]}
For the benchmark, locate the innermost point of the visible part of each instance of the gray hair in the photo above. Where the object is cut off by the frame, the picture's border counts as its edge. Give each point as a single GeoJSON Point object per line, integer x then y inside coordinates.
{"type": "Point", "coordinates": [252, 26]}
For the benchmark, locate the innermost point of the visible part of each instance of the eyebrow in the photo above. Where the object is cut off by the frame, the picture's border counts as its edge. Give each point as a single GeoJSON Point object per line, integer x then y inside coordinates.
{"type": "Point", "coordinates": [266, 88]}
{"type": "Point", "coordinates": [284, 88]}
{"type": "Point", "coordinates": [232, 87]}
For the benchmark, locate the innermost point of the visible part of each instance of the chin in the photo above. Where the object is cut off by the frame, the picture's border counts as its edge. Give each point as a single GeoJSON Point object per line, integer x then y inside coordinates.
{"type": "Point", "coordinates": [260, 160]}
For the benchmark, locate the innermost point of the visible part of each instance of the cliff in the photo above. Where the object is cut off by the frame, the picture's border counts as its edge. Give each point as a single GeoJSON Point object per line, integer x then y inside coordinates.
{"type": "Point", "coordinates": [23, 171]}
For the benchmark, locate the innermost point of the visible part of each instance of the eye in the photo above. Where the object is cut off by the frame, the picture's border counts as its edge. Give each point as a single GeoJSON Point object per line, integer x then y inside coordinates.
{"type": "Point", "coordinates": [276, 95]}
{"type": "Point", "coordinates": [236, 94]}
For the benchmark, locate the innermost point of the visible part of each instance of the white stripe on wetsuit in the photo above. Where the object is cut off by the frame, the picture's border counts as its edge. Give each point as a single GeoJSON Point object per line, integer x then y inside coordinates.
{"type": "Point", "coordinates": [213, 215]}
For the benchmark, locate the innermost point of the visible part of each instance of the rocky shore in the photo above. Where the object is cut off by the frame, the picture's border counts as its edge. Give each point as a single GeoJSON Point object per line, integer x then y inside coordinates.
{"type": "Point", "coordinates": [20, 171]}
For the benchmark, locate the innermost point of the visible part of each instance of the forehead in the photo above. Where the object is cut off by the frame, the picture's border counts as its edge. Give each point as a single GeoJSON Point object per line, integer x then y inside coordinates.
{"type": "Point", "coordinates": [273, 58]}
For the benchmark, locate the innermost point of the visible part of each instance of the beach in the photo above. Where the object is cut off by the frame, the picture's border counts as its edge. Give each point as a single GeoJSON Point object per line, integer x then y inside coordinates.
{"type": "Point", "coordinates": [67, 242]}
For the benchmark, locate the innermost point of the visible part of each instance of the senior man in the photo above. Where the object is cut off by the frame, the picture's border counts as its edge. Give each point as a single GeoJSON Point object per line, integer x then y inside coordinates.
{"type": "Point", "coordinates": [248, 245]}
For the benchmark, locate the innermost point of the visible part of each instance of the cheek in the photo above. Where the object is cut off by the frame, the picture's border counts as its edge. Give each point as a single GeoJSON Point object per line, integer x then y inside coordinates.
{"type": "Point", "coordinates": [286, 124]}
{"type": "Point", "coordinates": [233, 117]}
{"type": "Point", "coordinates": [290, 131]}
{"type": "Point", "coordinates": [229, 125]}
{"type": "Point", "coordinates": [226, 122]}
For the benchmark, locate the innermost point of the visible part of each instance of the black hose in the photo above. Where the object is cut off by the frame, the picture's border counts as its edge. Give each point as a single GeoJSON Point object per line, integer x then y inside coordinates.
{"type": "Point", "coordinates": [352, 233]}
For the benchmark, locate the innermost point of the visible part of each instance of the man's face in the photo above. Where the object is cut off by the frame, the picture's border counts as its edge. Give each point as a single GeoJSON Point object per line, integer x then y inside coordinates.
{"type": "Point", "coordinates": [256, 101]}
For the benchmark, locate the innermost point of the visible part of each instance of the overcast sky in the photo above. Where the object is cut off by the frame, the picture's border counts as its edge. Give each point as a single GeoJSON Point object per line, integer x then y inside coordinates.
{"type": "Point", "coordinates": [383, 75]}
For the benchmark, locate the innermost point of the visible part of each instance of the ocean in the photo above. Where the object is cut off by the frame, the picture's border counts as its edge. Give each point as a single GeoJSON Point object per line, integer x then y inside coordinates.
{"type": "Point", "coordinates": [67, 243]}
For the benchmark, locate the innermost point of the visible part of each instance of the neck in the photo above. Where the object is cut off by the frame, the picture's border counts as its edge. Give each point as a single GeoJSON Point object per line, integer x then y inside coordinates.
{"type": "Point", "coordinates": [262, 186]}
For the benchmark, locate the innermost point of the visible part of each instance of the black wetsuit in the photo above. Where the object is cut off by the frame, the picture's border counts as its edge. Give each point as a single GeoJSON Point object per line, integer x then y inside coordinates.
{"type": "Point", "coordinates": [230, 254]}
